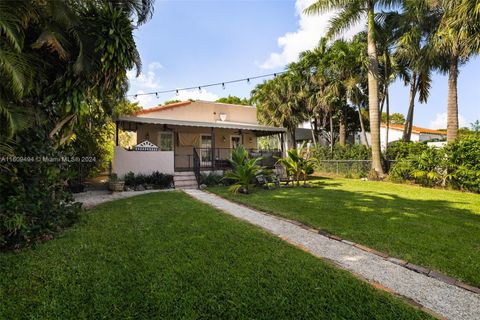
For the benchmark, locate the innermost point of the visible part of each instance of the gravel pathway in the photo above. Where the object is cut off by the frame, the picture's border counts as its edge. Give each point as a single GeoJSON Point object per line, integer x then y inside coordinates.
{"type": "Point", "coordinates": [446, 300]}
{"type": "Point", "coordinates": [90, 199]}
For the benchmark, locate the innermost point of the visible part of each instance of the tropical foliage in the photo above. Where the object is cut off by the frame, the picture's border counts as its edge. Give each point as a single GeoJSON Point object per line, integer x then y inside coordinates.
{"type": "Point", "coordinates": [244, 171]}
{"type": "Point", "coordinates": [403, 39]}
{"type": "Point", "coordinates": [455, 166]}
{"type": "Point", "coordinates": [64, 65]}
{"type": "Point", "coordinates": [298, 164]}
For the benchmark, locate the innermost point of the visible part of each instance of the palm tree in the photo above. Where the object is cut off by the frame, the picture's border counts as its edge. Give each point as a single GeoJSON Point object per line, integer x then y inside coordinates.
{"type": "Point", "coordinates": [278, 103]}
{"type": "Point", "coordinates": [351, 12]}
{"type": "Point", "coordinates": [457, 39]}
{"type": "Point", "coordinates": [356, 84]}
{"type": "Point", "coordinates": [414, 26]}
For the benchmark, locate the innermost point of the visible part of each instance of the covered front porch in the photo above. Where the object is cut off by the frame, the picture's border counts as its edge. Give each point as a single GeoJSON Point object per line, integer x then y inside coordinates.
{"type": "Point", "coordinates": [171, 146]}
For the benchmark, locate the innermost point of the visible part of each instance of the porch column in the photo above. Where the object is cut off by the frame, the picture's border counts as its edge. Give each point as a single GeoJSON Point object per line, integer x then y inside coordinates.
{"type": "Point", "coordinates": [213, 148]}
{"type": "Point", "coordinates": [116, 133]}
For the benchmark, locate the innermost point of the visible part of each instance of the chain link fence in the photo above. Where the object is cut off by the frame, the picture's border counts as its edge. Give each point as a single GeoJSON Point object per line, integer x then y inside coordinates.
{"type": "Point", "coordinates": [349, 168]}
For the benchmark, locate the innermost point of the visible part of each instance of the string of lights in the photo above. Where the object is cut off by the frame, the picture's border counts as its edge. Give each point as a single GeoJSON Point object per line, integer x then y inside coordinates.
{"type": "Point", "coordinates": [200, 87]}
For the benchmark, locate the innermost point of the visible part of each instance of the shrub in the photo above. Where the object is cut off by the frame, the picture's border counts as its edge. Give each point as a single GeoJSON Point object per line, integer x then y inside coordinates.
{"type": "Point", "coordinates": [212, 179]}
{"type": "Point", "coordinates": [464, 163]}
{"type": "Point", "coordinates": [457, 165]}
{"type": "Point", "coordinates": [427, 168]}
{"type": "Point", "coordinates": [34, 201]}
{"type": "Point", "coordinates": [401, 150]}
{"type": "Point", "coordinates": [157, 179]}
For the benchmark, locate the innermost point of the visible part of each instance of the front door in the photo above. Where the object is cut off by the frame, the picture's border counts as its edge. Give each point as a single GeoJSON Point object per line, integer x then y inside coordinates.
{"type": "Point", "coordinates": [235, 141]}
{"type": "Point", "coordinates": [206, 150]}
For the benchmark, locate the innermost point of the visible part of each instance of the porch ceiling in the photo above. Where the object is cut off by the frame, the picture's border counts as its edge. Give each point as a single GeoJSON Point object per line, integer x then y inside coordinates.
{"type": "Point", "coordinates": [260, 130]}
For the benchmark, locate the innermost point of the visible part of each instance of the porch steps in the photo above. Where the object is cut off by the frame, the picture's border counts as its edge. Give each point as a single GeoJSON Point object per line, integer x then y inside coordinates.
{"type": "Point", "coordinates": [185, 180]}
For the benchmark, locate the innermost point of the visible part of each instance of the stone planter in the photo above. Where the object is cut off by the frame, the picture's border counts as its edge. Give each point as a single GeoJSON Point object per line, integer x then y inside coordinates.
{"type": "Point", "coordinates": [116, 186]}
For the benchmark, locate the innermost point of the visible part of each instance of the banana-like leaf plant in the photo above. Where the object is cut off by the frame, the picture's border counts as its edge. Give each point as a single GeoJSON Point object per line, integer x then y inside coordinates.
{"type": "Point", "coordinates": [298, 164]}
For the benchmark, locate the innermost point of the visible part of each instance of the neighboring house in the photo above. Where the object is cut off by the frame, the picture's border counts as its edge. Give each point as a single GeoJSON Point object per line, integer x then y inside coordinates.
{"type": "Point", "coordinates": [188, 136]}
{"type": "Point", "coordinates": [395, 133]}
{"type": "Point", "coordinates": [304, 133]}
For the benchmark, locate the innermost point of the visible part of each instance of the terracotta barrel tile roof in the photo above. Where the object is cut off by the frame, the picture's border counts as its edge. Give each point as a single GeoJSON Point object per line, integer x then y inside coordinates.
{"type": "Point", "coordinates": [160, 108]}
{"type": "Point", "coordinates": [414, 129]}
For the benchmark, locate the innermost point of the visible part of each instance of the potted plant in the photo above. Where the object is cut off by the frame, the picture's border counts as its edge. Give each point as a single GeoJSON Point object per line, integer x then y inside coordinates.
{"type": "Point", "coordinates": [115, 184]}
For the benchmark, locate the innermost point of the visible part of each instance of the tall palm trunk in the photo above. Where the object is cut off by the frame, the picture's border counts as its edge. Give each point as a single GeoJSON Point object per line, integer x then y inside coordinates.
{"type": "Point", "coordinates": [331, 134]}
{"type": "Point", "coordinates": [373, 93]}
{"type": "Point", "coordinates": [407, 131]}
{"type": "Point", "coordinates": [362, 126]}
{"type": "Point", "coordinates": [342, 131]}
{"type": "Point", "coordinates": [386, 97]}
{"type": "Point", "coordinates": [452, 118]}
{"type": "Point", "coordinates": [388, 120]}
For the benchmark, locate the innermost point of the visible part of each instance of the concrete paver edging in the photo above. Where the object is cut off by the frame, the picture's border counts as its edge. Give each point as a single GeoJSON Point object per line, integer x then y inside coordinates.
{"type": "Point", "coordinates": [429, 290]}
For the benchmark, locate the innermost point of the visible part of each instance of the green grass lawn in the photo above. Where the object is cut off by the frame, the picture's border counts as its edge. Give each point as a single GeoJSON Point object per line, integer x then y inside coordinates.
{"type": "Point", "coordinates": [166, 256]}
{"type": "Point", "coordinates": [438, 229]}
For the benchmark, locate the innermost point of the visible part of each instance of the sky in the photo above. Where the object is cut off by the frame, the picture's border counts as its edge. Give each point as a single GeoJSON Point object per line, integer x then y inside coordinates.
{"type": "Point", "coordinates": [197, 42]}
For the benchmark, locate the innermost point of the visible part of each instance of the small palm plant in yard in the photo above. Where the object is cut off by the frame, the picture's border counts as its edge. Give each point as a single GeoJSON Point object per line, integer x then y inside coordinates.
{"type": "Point", "coordinates": [298, 164]}
{"type": "Point", "coordinates": [244, 171]}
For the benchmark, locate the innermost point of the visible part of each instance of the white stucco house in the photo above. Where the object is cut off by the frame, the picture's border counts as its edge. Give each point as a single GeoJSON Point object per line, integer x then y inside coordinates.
{"type": "Point", "coordinates": [188, 136]}
{"type": "Point", "coordinates": [395, 133]}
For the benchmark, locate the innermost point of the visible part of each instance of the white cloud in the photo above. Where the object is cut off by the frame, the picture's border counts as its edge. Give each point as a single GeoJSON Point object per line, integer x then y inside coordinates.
{"type": "Point", "coordinates": [147, 101]}
{"type": "Point", "coordinates": [184, 95]}
{"type": "Point", "coordinates": [146, 82]}
{"type": "Point", "coordinates": [440, 121]}
{"type": "Point", "coordinates": [311, 29]}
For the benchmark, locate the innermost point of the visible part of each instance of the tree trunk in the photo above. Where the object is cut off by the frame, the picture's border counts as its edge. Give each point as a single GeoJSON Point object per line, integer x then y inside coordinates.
{"type": "Point", "coordinates": [342, 131]}
{"type": "Point", "coordinates": [373, 93]}
{"type": "Point", "coordinates": [452, 118]}
{"type": "Point", "coordinates": [294, 138]}
{"type": "Point", "coordinates": [407, 130]}
{"type": "Point", "coordinates": [331, 134]}
{"type": "Point", "coordinates": [386, 99]}
{"type": "Point", "coordinates": [388, 121]}
{"type": "Point", "coordinates": [362, 126]}
{"type": "Point", "coordinates": [313, 130]}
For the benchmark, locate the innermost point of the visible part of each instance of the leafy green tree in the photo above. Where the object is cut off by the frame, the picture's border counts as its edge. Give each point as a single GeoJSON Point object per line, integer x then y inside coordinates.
{"type": "Point", "coordinates": [475, 126]}
{"type": "Point", "coordinates": [394, 118]}
{"type": "Point", "coordinates": [235, 100]}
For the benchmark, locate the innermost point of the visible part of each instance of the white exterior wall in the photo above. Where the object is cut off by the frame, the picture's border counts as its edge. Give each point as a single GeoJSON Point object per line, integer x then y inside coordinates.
{"type": "Point", "coordinates": [393, 135]}
{"type": "Point", "coordinates": [144, 162]}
